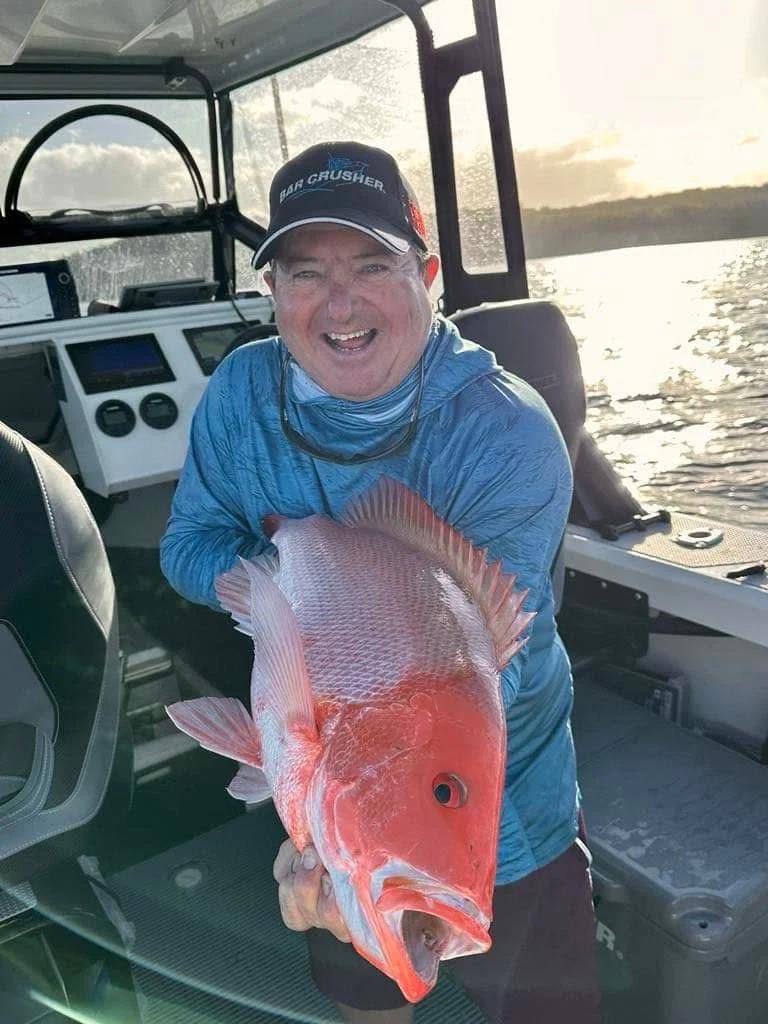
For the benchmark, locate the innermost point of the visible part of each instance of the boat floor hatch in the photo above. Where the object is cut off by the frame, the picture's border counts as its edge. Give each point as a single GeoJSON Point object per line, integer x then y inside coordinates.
{"type": "Point", "coordinates": [210, 945]}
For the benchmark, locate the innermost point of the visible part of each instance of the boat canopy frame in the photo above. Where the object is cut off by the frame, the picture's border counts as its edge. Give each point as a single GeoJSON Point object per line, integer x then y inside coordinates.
{"type": "Point", "coordinates": [441, 68]}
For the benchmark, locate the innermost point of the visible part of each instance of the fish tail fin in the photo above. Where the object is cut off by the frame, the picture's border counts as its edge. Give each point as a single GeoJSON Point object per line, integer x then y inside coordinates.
{"type": "Point", "coordinates": [233, 588]}
{"type": "Point", "coordinates": [392, 508]}
{"type": "Point", "coordinates": [250, 784]}
{"type": "Point", "coordinates": [220, 724]}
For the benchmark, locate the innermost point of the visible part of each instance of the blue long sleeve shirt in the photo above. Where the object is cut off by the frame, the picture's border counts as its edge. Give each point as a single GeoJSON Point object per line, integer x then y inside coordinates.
{"type": "Point", "coordinates": [486, 455]}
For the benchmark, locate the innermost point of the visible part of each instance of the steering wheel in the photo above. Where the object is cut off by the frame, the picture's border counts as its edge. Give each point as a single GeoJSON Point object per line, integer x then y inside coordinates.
{"type": "Point", "coordinates": [100, 110]}
{"type": "Point", "coordinates": [250, 333]}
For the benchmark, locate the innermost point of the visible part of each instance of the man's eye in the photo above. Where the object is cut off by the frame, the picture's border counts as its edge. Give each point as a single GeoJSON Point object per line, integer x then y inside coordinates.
{"type": "Point", "coordinates": [375, 268]}
{"type": "Point", "coordinates": [305, 275]}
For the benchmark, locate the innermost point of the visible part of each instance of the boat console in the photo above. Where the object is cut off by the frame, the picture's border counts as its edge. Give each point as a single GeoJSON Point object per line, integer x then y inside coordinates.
{"type": "Point", "coordinates": [127, 384]}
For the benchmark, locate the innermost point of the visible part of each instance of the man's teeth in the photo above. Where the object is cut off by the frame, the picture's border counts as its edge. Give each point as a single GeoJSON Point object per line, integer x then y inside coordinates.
{"type": "Point", "coordinates": [348, 337]}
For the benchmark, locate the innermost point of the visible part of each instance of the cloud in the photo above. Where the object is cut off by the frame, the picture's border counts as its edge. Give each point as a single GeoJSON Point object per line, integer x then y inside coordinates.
{"type": "Point", "coordinates": [581, 171]}
{"type": "Point", "coordinates": [10, 148]}
{"type": "Point", "coordinates": [310, 112]}
{"type": "Point", "coordinates": [97, 176]}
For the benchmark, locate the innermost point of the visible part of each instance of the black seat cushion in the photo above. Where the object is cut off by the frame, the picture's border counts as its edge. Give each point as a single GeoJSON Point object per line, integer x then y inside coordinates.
{"type": "Point", "coordinates": [59, 638]}
{"type": "Point", "coordinates": [532, 339]}
{"type": "Point", "coordinates": [38, 599]}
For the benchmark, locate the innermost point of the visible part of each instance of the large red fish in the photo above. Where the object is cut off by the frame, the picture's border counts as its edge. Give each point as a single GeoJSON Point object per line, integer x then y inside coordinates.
{"type": "Point", "coordinates": [376, 720]}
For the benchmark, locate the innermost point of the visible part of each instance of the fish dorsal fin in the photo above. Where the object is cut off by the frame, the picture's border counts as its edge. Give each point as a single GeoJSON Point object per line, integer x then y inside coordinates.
{"type": "Point", "coordinates": [392, 508]}
{"type": "Point", "coordinates": [258, 605]}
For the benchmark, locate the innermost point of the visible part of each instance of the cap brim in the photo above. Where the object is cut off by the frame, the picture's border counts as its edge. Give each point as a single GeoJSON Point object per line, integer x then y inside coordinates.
{"type": "Point", "coordinates": [393, 242]}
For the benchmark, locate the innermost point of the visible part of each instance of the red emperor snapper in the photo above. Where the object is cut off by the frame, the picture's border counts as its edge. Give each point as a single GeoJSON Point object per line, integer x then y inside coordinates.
{"type": "Point", "coordinates": [376, 721]}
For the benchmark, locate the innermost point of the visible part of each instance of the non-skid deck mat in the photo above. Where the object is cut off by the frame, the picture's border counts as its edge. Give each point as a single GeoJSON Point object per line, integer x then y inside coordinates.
{"type": "Point", "coordinates": [738, 546]}
{"type": "Point", "coordinates": [211, 947]}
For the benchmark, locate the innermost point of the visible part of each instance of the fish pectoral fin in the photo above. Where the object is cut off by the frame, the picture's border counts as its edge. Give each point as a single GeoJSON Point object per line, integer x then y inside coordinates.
{"type": "Point", "coordinates": [220, 724]}
{"type": "Point", "coordinates": [250, 784]}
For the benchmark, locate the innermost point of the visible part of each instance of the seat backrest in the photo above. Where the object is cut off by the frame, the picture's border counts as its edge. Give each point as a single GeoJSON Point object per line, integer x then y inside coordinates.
{"type": "Point", "coordinates": [60, 674]}
{"type": "Point", "coordinates": [532, 339]}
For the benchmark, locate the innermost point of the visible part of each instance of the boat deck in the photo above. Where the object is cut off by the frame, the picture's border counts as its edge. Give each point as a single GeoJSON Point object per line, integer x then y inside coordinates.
{"type": "Point", "coordinates": [695, 583]}
{"type": "Point", "coordinates": [210, 945]}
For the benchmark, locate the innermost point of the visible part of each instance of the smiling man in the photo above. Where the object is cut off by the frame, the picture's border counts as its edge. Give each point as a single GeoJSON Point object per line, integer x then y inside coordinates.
{"type": "Point", "coordinates": [363, 382]}
{"type": "Point", "coordinates": [354, 315]}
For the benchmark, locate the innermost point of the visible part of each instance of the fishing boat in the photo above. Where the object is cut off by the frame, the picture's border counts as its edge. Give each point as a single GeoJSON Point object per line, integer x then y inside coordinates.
{"type": "Point", "coordinates": [132, 888]}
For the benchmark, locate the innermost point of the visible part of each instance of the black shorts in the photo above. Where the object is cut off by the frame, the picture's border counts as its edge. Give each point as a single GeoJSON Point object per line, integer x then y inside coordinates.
{"type": "Point", "coordinates": [541, 968]}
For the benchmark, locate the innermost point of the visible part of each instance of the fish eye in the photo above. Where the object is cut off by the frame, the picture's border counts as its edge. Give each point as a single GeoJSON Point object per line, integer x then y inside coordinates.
{"type": "Point", "coordinates": [449, 790]}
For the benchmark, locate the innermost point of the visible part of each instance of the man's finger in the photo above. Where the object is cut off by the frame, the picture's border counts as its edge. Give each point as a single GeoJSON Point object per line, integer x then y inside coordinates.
{"type": "Point", "coordinates": [306, 893]}
{"type": "Point", "coordinates": [304, 884]}
{"type": "Point", "coordinates": [292, 916]}
{"type": "Point", "coordinates": [284, 860]}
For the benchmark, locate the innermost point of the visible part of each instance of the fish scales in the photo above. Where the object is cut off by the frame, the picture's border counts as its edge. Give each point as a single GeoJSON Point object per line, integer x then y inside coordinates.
{"type": "Point", "coordinates": [394, 612]}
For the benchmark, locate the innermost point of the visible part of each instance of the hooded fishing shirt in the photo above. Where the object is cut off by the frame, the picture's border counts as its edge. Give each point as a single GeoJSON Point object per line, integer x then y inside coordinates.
{"type": "Point", "coordinates": [489, 459]}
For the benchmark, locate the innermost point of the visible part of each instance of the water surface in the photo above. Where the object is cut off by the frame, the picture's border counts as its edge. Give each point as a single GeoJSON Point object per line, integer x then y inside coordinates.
{"type": "Point", "coordinates": [674, 348]}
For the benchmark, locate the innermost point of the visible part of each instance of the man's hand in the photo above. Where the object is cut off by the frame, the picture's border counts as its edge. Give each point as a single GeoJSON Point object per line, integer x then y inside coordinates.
{"type": "Point", "coordinates": [306, 893]}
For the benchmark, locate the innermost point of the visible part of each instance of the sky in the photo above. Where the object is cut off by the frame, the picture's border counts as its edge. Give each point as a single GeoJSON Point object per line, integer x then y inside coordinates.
{"type": "Point", "coordinates": [607, 98]}
{"type": "Point", "coordinates": [661, 95]}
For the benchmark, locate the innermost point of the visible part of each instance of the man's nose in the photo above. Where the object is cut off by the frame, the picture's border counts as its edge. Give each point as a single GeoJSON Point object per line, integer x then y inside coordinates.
{"type": "Point", "coordinates": [339, 300]}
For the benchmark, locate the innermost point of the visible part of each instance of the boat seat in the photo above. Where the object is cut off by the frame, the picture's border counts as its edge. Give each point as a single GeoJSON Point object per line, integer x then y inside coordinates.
{"type": "Point", "coordinates": [61, 681]}
{"type": "Point", "coordinates": [532, 339]}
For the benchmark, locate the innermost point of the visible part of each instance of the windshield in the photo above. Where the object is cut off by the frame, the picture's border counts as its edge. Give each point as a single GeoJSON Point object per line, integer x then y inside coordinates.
{"type": "Point", "coordinates": [108, 163]}
{"type": "Point", "coordinates": [368, 91]}
{"type": "Point", "coordinates": [102, 162]}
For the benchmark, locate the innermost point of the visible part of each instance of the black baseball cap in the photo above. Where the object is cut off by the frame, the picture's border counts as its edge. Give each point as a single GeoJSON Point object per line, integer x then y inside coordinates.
{"type": "Point", "coordinates": [344, 183]}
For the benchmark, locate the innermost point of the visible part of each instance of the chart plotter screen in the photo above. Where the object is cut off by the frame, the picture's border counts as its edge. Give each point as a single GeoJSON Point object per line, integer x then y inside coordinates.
{"type": "Point", "coordinates": [37, 292]}
{"type": "Point", "coordinates": [24, 298]}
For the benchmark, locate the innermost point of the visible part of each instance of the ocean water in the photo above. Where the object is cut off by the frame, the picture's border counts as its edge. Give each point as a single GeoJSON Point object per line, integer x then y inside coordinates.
{"type": "Point", "coordinates": [674, 349]}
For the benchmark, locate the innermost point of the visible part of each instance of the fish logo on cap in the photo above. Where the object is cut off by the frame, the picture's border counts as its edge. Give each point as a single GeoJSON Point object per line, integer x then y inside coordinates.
{"type": "Point", "coordinates": [345, 163]}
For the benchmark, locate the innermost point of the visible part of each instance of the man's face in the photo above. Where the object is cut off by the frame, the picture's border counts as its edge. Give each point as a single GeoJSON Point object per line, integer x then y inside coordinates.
{"type": "Point", "coordinates": [354, 315]}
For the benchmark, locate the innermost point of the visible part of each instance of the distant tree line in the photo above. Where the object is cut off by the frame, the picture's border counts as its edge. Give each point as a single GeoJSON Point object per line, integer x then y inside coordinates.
{"type": "Point", "coordinates": [695, 215]}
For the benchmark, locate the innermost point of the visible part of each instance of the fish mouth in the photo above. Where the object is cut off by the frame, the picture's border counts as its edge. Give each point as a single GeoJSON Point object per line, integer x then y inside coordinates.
{"type": "Point", "coordinates": [428, 939]}
{"type": "Point", "coordinates": [428, 928]}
